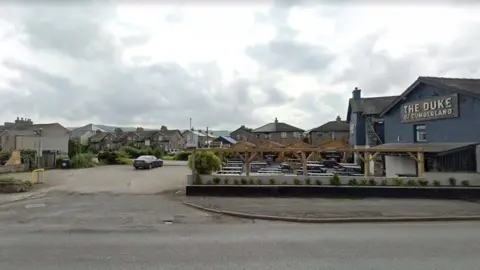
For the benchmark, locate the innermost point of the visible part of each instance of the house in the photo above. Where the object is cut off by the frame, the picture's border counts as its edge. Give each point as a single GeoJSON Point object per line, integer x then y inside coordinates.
{"type": "Point", "coordinates": [241, 134]}
{"type": "Point", "coordinates": [23, 134]}
{"type": "Point", "coordinates": [203, 138]}
{"type": "Point", "coordinates": [82, 134]}
{"type": "Point", "coordinates": [154, 139]}
{"type": "Point", "coordinates": [440, 115]}
{"type": "Point", "coordinates": [276, 131]}
{"type": "Point", "coordinates": [223, 141]}
{"type": "Point", "coordinates": [332, 130]}
{"type": "Point", "coordinates": [102, 141]}
{"type": "Point", "coordinates": [124, 138]}
{"type": "Point", "coordinates": [367, 125]}
{"type": "Point", "coordinates": [175, 138]}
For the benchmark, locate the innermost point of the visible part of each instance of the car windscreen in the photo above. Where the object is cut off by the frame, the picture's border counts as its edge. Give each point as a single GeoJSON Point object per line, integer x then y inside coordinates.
{"type": "Point", "coordinates": [144, 158]}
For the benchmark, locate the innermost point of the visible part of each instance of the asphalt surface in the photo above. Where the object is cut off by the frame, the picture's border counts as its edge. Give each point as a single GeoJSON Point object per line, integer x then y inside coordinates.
{"type": "Point", "coordinates": [250, 246]}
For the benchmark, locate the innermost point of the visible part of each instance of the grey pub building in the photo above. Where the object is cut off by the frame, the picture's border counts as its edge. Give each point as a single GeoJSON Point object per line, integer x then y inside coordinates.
{"type": "Point", "coordinates": [442, 116]}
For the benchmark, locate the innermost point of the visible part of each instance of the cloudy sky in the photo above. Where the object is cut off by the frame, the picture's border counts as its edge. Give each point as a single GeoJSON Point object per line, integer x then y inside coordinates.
{"type": "Point", "coordinates": [223, 65]}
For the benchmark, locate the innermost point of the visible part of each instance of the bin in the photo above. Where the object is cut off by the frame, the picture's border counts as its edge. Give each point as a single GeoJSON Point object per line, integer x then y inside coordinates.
{"type": "Point", "coordinates": [65, 163]}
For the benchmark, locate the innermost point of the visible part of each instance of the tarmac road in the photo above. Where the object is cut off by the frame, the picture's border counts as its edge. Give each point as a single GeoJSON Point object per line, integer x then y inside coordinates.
{"type": "Point", "coordinates": [249, 246]}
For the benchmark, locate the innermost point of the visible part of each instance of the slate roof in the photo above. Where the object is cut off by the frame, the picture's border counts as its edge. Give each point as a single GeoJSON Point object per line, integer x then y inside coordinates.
{"type": "Point", "coordinates": [229, 139]}
{"type": "Point", "coordinates": [82, 130]}
{"type": "Point", "coordinates": [332, 126]}
{"type": "Point", "coordinates": [124, 135]}
{"type": "Point", "coordinates": [17, 132]}
{"type": "Point", "coordinates": [99, 136]}
{"type": "Point", "coordinates": [147, 134]}
{"type": "Point", "coordinates": [463, 86]}
{"type": "Point", "coordinates": [427, 147]}
{"type": "Point", "coordinates": [277, 127]}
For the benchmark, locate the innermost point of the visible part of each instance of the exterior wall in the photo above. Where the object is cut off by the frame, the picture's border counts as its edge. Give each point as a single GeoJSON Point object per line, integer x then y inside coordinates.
{"type": "Point", "coordinates": [7, 142]}
{"type": "Point", "coordinates": [276, 137]}
{"type": "Point", "coordinates": [317, 138]}
{"type": "Point", "coordinates": [465, 128]}
{"type": "Point", "coordinates": [176, 141]}
{"type": "Point", "coordinates": [241, 134]}
{"type": "Point", "coordinates": [84, 138]}
{"type": "Point", "coordinates": [399, 165]}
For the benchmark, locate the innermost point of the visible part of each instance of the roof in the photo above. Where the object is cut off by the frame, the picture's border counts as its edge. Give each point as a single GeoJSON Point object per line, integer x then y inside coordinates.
{"type": "Point", "coordinates": [170, 132]}
{"type": "Point", "coordinates": [99, 136]}
{"type": "Point", "coordinates": [427, 147]}
{"type": "Point", "coordinates": [147, 134]}
{"type": "Point", "coordinates": [371, 105]}
{"type": "Point", "coordinates": [82, 130]}
{"type": "Point", "coordinates": [124, 135]}
{"type": "Point", "coordinates": [16, 132]}
{"type": "Point", "coordinates": [242, 127]}
{"type": "Point", "coordinates": [332, 126]}
{"type": "Point", "coordinates": [199, 133]}
{"type": "Point", "coordinates": [277, 127]}
{"type": "Point", "coordinates": [470, 87]}
{"type": "Point", "coordinates": [227, 139]}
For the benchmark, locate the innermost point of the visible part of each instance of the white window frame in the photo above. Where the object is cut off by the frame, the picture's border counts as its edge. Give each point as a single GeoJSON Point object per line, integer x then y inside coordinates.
{"type": "Point", "coordinates": [283, 135]}
{"type": "Point", "coordinates": [267, 136]}
{"type": "Point", "coordinates": [420, 133]}
{"type": "Point", "coordinates": [333, 135]}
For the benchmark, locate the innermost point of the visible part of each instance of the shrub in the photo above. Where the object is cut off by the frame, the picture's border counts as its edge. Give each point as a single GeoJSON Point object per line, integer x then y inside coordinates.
{"type": "Point", "coordinates": [363, 182]}
{"type": "Point", "coordinates": [225, 181]}
{"type": "Point", "coordinates": [398, 181]}
{"type": "Point", "coordinates": [84, 160]}
{"type": "Point", "coordinates": [209, 182]}
{"type": "Point", "coordinates": [297, 181]}
{"type": "Point", "coordinates": [198, 180]}
{"type": "Point", "coordinates": [4, 156]}
{"type": "Point", "coordinates": [308, 181]}
{"type": "Point", "coordinates": [384, 182]}
{"type": "Point", "coordinates": [271, 181]}
{"type": "Point", "coordinates": [243, 181]}
{"type": "Point", "coordinates": [411, 183]}
{"type": "Point", "coordinates": [216, 180]}
{"type": "Point", "coordinates": [423, 182]}
{"type": "Point", "coordinates": [452, 181]}
{"type": "Point", "coordinates": [352, 182]}
{"type": "Point", "coordinates": [436, 183]}
{"type": "Point", "coordinates": [132, 152]}
{"type": "Point", "coordinates": [284, 182]}
{"type": "Point", "coordinates": [183, 156]}
{"type": "Point", "coordinates": [250, 182]}
{"type": "Point", "coordinates": [259, 182]}
{"type": "Point", "coordinates": [159, 153]}
{"type": "Point", "coordinates": [236, 182]}
{"type": "Point", "coordinates": [372, 182]}
{"type": "Point", "coordinates": [168, 158]}
{"type": "Point", "coordinates": [465, 183]}
{"type": "Point", "coordinates": [335, 180]}
{"type": "Point", "coordinates": [318, 182]}
{"type": "Point", "coordinates": [205, 162]}
{"type": "Point", "coordinates": [28, 184]}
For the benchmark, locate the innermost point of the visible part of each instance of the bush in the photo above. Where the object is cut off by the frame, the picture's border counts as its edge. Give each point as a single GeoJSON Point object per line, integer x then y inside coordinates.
{"type": "Point", "coordinates": [308, 181]}
{"type": "Point", "coordinates": [363, 182]}
{"type": "Point", "coordinates": [205, 162]}
{"type": "Point", "coordinates": [335, 180]}
{"type": "Point", "coordinates": [168, 158]}
{"type": "Point", "coordinates": [84, 160]}
{"type": "Point", "coordinates": [132, 152]}
{"type": "Point", "coordinates": [318, 182]}
{"type": "Point", "coordinates": [243, 181]}
{"type": "Point", "coordinates": [398, 181]}
{"type": "Point", "coordinates": [226, 181]}
{"type": "Point", "coordinates": [423, 182]}
{"type": "Point", "coordinates": [284, 182]}
{"type": "Point", "coordinates": [384, 182]}
{"type": "Point", "coordinates": [259, 182]}
{"type": "Point", "coordinates": [198, 180]}
{"type": "Point", "coordinates": [297, 181]}
{"type": "Point", "coordinates": [411, 183]}
{"type": "Point", "coordinates": [158, 153]}
{"type": "Point", "coordinates": [235, 182]}
{"type": "Point", "coordinates": [465, 183]}
{"type": "Point", "coordinates": [271, 181]}
{"type": "Point", "coordinates": [352, 182]}
{"type": "Point", "coordinates": [372, 182]}
{"type": "Point", "coordinates": [4, 157]}
{"type": "Point", "coordinates": [216, 180]}
{"type": "Point", "coordinates": [183, 156]}
{"type": "Point", "coordinates": [251, 182]}
{"type": "Point", "coordinates": [436, 183]}
{"type": "Point", "coordinates": [452, 181]}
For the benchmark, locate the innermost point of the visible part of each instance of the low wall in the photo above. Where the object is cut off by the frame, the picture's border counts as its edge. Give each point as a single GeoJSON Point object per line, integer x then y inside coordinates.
{"type": "Point", "coordinates": [333, 191]}
{"type": "Point", "coordinates": [286, 179]}
{"type": "Point", "coordinates": [14, 168]}
{"type": "Point", "coordinates": [473, 178]}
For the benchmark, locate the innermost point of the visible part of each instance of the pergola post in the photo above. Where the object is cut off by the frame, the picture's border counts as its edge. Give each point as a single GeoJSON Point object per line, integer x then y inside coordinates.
{"type": "Point", "coordinates": [304, 164]}
{"type": "Point", "coordinates": [246, 164]}
{"type": "Point", "coordinates": [193, 165]}
{"type": "Point", "coordinates": [366, 164]}
{"type": "Point", "coordinates": [420, 164]}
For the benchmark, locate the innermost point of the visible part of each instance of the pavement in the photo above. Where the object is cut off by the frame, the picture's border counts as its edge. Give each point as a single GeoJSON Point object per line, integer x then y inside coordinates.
{"type": "Point", "coordinates": [317, 209]}
{"type": "Point", "coordinates": [279, 246]}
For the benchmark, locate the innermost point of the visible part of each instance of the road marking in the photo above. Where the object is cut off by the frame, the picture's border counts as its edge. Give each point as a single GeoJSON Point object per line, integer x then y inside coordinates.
{"type": "Point", "coordinates": [37, 205]}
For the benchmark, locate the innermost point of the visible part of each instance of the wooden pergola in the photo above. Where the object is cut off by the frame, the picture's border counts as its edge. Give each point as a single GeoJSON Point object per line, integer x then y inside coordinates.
{"type": "Point", "coordinates": [250, 151]}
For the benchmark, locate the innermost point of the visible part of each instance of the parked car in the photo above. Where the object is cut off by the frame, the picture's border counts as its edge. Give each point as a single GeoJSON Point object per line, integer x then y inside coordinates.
{"type": "Point", "coordinates": [330, 164]}
{"type": "Point", "coordinates": [147, 162]}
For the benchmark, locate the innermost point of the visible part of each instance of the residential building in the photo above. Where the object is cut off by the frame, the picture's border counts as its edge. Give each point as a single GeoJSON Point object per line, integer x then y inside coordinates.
{"type": "Point", "coordinates": [276, 131]}
{"type": "Point", "coordinates": [175, 138]}
{"type": "Point", "coordinates": [441, 116]}
{"type": "Point", "coordinates": [367, 125]}
{"type": "Point", "coordinates": [332, 130]}
{"type": "Point", "coordinates": [203, 138]}
{"type": "Point", "coordinates": [23, 134]}
{"type": "Point", "coordinates": [82, 134]}
{"type": "Point", "coordinates": [102, 141]}
{"type": "Point", "coordinates": [154, 139]}
{"type": "Point", "coordinates": [241, 134]}
{"type": "Point", "coordinates": [124, 139]}
{"type": "Point", "coordinates": [223, 141]}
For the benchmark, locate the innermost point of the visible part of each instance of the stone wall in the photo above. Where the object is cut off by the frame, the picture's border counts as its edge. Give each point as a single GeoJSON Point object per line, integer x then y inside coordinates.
{"type": "Point", "coordinates": [14, 168]}
{"type": "Point", "coordinates": [372, 139]}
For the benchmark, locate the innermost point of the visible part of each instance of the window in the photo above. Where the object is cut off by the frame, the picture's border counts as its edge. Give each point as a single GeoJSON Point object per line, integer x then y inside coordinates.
{"type": "Point", "coordinates": [420, 133]}
{"type": "Point", "coordinates": [319, 134]}
{"type": "Point", "coordinates": [6, 138]}
{"type": "Point", "coordinates": [258, 136]}
{"type": "Point", "coordinates": [267, 136]}
{"type": "Point", "coordinates": [296, 134]}
{"type": "Point", "coordinates": [333, 135]}
{"type": "Point", "coordinates": [284, 135]}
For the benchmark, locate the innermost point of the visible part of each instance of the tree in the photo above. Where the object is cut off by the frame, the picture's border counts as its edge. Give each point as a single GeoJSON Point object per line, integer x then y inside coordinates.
{"type": "Point", "coordinates": [164, 128]}
{"type": "Point", "coordinates": [205, 162]}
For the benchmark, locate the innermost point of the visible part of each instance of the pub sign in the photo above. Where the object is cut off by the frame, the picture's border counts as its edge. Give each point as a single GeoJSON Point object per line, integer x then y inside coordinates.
{"type": "Point", "coordinates": [430, 109]}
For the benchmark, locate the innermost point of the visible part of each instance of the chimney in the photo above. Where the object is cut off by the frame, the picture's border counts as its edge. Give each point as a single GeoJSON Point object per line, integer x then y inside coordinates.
{"type": "Point", "coordinates": [339, 119]}
{"type": "Point", "coordinates": [276, 120]}
{"type": "Point", "coordinates": [139, 129]}
{"type": "Point", "coordinates": [356, 93]}
{"type": "Point", "coordinates": [118, 131]}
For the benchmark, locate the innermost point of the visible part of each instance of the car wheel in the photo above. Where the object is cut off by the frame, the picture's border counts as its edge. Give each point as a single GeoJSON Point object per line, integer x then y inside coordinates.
{"type": "Point", "coordinates": [136, 168]}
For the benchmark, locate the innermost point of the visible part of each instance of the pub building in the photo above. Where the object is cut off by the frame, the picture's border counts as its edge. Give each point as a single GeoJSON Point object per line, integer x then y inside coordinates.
{"type": "Point", "coordinates": [442, 116]}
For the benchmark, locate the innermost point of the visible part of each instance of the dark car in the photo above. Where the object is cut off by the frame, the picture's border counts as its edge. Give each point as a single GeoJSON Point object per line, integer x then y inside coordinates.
{"type": "Point", "coordinates": [147, 162]}
{"type": "Point", "coordinates": [330, 164]}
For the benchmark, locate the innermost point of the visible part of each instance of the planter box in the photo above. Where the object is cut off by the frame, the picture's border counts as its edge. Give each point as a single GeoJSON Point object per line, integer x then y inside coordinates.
{"type": "Point", "coordinates": [333, 191]}
{"type": "Point", "coordinates": [13, 187]}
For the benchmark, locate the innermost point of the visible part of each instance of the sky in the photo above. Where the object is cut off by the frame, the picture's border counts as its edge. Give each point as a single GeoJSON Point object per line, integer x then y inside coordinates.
{"type": "Point", "coordinates": [223, 65]}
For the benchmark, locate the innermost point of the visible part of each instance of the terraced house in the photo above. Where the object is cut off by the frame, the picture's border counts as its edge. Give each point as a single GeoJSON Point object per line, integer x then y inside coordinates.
{"type": "Point", "coordinates": [276, 131]}
{"type": "Point", "coordinates": [102, 141]}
